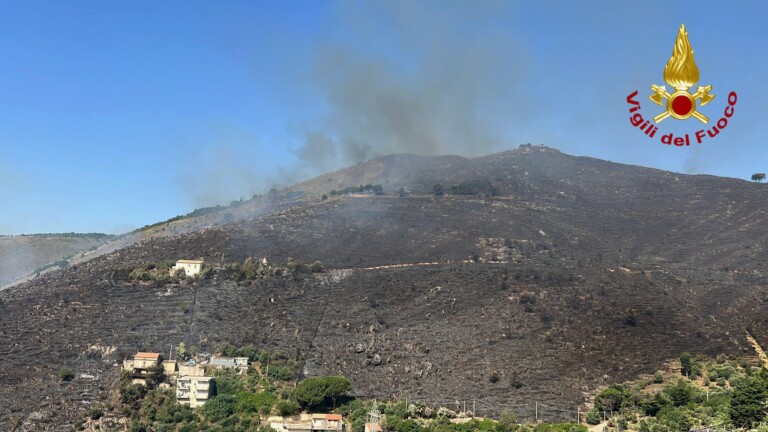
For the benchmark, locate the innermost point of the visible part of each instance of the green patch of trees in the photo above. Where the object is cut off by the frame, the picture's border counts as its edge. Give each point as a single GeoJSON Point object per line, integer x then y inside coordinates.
{"type": "Point", "coordinates": [318, 391]}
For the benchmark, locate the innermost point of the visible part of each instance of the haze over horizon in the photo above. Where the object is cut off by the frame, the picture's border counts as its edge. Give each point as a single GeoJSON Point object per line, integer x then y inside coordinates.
{"type": "Point", "coordinates": [117, 115]}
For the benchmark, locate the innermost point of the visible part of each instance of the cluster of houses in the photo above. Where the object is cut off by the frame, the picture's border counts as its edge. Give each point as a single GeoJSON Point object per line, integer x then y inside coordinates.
{"type": "Point", "coordinates": [308, 423]}
{"type": "Point", "coordinates": [193, 387]}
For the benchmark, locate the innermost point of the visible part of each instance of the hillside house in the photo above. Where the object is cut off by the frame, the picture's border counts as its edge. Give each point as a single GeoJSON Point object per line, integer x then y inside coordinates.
{"type": "Point", "coordinates": [194, 390]}
{"type": "Point", "coordinates": [327, 422]}
{"type": "Point", "coordinates": [139, 367]}
{"type": "Point", "coordinates": [190, 267]}
{"type": "Point", "coordinates": [311, 423]}
{"type": "Point", "coordinates": [169, 368]}
{"type": "Point", "coordinates": [373, 427]}
{"type": "Point", "coordinates": [219, 362]}
{"type": "Point", "coordinates": [191, 368]}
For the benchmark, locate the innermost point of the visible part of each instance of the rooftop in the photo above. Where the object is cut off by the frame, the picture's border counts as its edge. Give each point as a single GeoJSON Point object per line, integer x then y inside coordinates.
{"type": "Point", "coordinates": [146, 356]}
{"type": "Point", "coordinates": [183, 261]}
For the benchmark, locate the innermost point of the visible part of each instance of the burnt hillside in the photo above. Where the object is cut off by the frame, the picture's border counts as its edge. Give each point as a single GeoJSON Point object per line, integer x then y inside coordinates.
{"type": "Point", "coordinates": [531, 284]}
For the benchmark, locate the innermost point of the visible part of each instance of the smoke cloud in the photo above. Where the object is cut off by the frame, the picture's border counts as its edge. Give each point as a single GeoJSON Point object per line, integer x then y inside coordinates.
{"type": "Point", "coordinates": [430, 84]}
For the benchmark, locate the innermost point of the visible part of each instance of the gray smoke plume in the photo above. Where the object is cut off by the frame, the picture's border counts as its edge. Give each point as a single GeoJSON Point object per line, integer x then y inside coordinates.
{"type": "Point", "coordinates": [445, 78]}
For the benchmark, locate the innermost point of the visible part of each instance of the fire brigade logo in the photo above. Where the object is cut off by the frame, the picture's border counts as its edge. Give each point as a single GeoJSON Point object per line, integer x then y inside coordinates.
{"type": "Point", "coordinates": [681, 73]}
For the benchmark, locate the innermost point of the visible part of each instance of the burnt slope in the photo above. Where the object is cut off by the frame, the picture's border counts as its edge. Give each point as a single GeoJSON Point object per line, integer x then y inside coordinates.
{"type": "Point", "coordinates": [569, 245]}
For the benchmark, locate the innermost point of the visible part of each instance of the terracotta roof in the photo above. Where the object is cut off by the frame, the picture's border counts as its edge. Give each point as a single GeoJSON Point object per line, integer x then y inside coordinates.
{"type": "Point", "coordinates": [336, 417]}
{"type": "Point", "coordinates": [146, 356]}
{"type": "Point", "coordinates": [375, 427]}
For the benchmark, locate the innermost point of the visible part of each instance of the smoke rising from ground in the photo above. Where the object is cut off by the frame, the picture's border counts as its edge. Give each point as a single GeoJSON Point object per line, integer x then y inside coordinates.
{"type": "Point", "coordinates": [448, 83]}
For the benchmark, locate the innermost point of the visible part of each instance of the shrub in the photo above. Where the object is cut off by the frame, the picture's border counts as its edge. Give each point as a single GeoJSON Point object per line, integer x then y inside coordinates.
{"type": "Point", "coordinates": [297, 266]}
{"type": "Point", "coordinates": [658, 377]}
{"type": "Point", "coordinates": [280, 373]}
{"type": "Point", "coordinates": [630, 316]}
{"type": "Point", "coordinates": [248, 402]}
{"type": "Point", "coordinates": [527, 297]}
{"type": "Point", "coordinates": [593, 416]}
{"type": "Point", "coordinates": [66, 374]}
{"type": "Point", "coordinates": [507, 422]}
{"type": "Point", "coordinates": [287, 408]}
{"type": "Point", "coordinates": [316, 267]}
{"type": "Point", "coordinates": [96, 413]}
{"type": "Point", "coordinates": [219, 407]}
{"type": "Point", "coordinates": [494, 377]}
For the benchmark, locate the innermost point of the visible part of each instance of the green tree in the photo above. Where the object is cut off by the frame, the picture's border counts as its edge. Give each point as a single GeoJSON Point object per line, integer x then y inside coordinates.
{"type": "Point", "coordinates": [507, 422]}
{"type": "Point", "coordinates": [401, 192]}
{"type": "Point", "coordinates": [336, 387]}
{"type": "Point", "coordinates": [685, 364]}
{"type": "Point", "coordinates": [368, 187]}
{"type": "Point", "coordinates": [437, 189]}
{"type": "Point", "coordinates": [748, 402]}
{"type": "Point", "coordinates": [181, 351]}
{"type": "Point", "coordinates": [758, 177]}
{"type": "Point", "coordinates": [677, 420]}
{"type": "Point", "coordinates": [679, 393]}
{"type": "Point", "coordinates": [610, 399]}
{"type": "Point", "coordinates": [311, 392]}
{"type": "Point", "coordinates": [378, 189]}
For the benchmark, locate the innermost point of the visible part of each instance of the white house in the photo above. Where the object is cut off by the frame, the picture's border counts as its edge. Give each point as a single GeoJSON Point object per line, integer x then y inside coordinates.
{"type": "Point", "coordinates": [194, 390]}
{"type": "Point", "coordinates": [190, 267]}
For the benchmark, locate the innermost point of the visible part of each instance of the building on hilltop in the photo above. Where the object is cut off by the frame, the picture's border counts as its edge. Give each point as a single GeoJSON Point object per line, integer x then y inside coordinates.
{"type": "Point", "coordinates": [194, 390]}
{"type": "Point", "coordinates": [190, 267]}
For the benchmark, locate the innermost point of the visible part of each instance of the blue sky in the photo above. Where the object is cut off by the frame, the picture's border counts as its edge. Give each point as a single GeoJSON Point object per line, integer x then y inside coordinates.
{"type": "Point", "coordinates": [115, 114]}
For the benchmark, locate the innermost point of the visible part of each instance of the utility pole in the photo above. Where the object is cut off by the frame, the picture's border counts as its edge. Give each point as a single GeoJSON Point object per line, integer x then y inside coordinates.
{"type": "Point", "coordinates": [473, 407]}
{"type": "Point", "coordinates": [374, 416]}
{"type": "Point", "coordinates": [537, 411]}
{"type": "Point", "coordinates": [578, 415]}
{"type": "Point", "coordinates": [170, 353]}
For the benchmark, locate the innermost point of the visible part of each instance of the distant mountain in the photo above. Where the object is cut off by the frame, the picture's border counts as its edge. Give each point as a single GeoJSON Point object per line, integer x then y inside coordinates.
{"type": "Point", "coordinates": [536, 276]}
{"type": "Point", "coordinates": [24, 254]}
